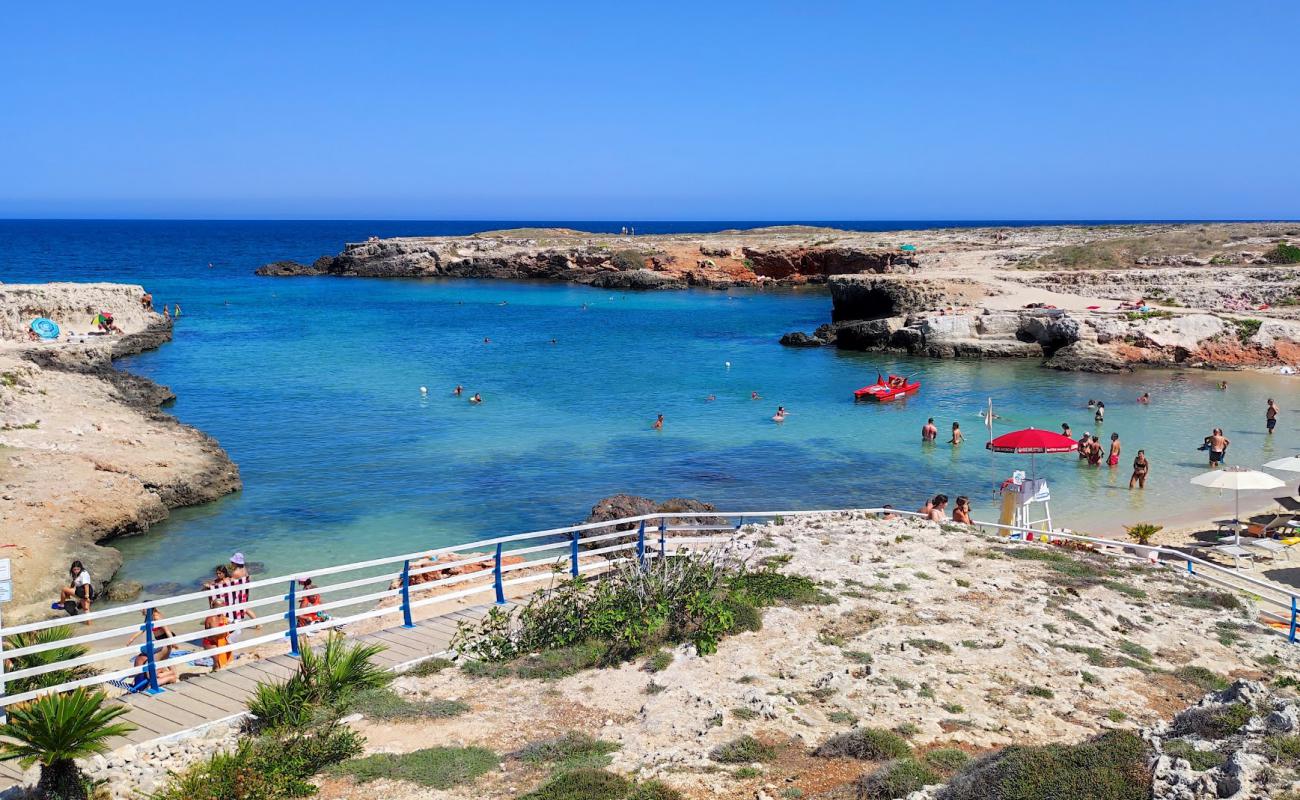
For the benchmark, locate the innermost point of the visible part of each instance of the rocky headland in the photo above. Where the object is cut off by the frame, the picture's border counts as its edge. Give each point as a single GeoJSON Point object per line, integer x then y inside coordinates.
{"type": "Point", "coordinates": [1099, 298]}
{"type": "Point", "coordinates": [86, 454]}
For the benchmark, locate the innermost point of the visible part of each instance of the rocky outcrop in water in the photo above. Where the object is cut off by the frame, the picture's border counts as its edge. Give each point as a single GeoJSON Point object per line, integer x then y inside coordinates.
{"type": "Point", "coordinates": [606, 261]}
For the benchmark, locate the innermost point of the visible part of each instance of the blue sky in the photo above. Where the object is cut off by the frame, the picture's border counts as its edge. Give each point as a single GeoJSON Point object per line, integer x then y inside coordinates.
{"type": "Point", "coordinates": [781, 110]}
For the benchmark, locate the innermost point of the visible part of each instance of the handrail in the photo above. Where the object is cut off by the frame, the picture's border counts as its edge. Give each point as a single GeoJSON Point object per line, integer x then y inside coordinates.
{"type": "Point", "coordinates": [628, 533]}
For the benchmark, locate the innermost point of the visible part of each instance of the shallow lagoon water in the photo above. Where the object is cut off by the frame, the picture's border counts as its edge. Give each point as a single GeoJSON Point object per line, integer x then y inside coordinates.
{"type": "Point", "coordinates": [312, 385]}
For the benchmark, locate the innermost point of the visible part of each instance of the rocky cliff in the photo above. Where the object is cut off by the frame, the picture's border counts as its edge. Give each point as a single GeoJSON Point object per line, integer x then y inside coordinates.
{"type": "Point", "coordinates": [925, 317]}
{"type": "Point", "coordinates": [85, 453]}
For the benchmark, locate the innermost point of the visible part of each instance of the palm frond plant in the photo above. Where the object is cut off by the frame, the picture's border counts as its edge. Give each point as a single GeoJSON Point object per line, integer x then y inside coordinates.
{"type": "Point", "coordinates": [336, 670]}
{"type": "Point", "coordinates": [54, 731]}
{"type": "Point", "coordinates": [1143, 532]}
{"type": "Point", "coordinates": [44, 657]}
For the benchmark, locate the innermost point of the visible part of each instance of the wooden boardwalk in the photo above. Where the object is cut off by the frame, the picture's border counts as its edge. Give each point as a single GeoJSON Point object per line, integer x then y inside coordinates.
{"type": "Point", "coordinates": [223, 695]}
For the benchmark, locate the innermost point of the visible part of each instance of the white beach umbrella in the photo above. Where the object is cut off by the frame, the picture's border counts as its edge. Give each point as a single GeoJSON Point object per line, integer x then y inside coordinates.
{"type": "Point", "coordinates": [1288, 464]}
{"type": "Point", "coordinates": [1238, 479]}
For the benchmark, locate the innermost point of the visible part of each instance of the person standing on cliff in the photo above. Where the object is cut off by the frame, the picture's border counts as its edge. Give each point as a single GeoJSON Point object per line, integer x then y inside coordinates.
{"type": "Point", "coordinates": [1270, 416]}
{"type": "Point", "coordinates": [929, 432]}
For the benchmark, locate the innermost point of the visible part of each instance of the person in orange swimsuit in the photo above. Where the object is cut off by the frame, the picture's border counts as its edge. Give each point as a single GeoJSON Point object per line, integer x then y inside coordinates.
{"type": "Point", "coordinates": [217, 619]}
{"type": "Point", "coordinates": [309, 597]}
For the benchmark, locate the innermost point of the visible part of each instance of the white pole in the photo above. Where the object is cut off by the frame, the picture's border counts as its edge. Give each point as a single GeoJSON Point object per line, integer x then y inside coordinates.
{"type": "Point", "coordinates": [3, 716]}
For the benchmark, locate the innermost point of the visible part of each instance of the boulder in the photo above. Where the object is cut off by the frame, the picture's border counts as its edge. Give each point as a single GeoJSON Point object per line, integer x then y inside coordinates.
{"type": "Point", "coordinates": [857, 297]}
{"type": "Point", "coordinates": [122, 591]}
{"type": "Point", "coordinates": [801, 339]}
{"type": "Point", "coordinates": [998, 325]}
{"type": "Point", "coordinates": [1273, 330]}
{"type": "Point", "coordinates": [1185, 332]}
{"type": "Point", "coordinates": [636, 279]}
{"type": "Point", "coordinates": [867, 335]}
{"type": "Point", "coordinates": [948, 326]}
{"type": "Point", "coordinates": [1087, 357]}
{"type": "Point", "coordinates": [1051, 332]}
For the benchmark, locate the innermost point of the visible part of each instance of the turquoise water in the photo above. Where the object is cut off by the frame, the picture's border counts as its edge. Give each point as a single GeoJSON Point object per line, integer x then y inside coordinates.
{"type": "Point", "coordinates": [312, 385]}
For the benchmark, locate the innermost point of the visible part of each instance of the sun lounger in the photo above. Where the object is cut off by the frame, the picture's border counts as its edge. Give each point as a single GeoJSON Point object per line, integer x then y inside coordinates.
{"type": "Point", "coordinates": [1268, 524]}
{"type": "Point", "coordinates": [1289, 503]}
{"type": "Point", "coordinates": [1273, 548]}
{"type": "Point", "coordinates": [1233, 551]}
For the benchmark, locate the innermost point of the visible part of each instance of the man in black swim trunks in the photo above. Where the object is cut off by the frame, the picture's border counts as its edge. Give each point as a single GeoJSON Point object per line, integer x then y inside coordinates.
{"type": "Point", "coordinates": [1270, 416]}
{"type": "Point", "coordinates": [1218, 447]}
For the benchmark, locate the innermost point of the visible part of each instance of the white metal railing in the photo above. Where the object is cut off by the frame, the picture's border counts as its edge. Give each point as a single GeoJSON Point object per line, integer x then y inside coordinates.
{"type": "Point", "coordinates": [649, 538]}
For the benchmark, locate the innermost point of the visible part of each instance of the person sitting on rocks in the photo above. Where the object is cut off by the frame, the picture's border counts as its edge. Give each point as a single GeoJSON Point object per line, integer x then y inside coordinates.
{"type": "Point", "coordinates": [76, 597]}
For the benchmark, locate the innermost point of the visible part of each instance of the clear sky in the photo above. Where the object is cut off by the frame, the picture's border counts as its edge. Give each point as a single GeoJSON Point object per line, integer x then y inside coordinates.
{"type": "Point", "coordinates": [664, 110]}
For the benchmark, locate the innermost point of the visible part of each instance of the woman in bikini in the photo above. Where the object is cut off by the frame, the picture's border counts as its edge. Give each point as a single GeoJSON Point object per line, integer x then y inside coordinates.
{"type": "Point", "coordinates": [1140, 468]}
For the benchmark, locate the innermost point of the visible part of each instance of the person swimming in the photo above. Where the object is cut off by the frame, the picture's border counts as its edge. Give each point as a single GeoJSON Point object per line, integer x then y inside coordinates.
{"type": "Point", "coordinates": [710, 398]}
{"type": "Point", "coordinates": [487, 340]}
{"type": "Point", "coordinates": [659, 423]}
{"type": "Point", "coordinates": [780, 414]}
{"type": "Point", "coordinates": [754, 396]}
{"type": "Point", "coordinates": [476, 399]}
{"type": "Point", "coordinates": [1145, 398]}
{"type": "Point", "coordinates": [458, 391]}
{"type": "Point", "coordinates": [1223, 386]}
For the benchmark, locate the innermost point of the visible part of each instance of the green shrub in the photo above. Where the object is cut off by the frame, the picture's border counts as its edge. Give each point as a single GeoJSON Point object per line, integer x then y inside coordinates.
{"type": "Point", "coordinates": [561, 662]}
{"type": "Point", "coordinates": [655, 790]}
{"type": "Point", "coordinates": [1202, 678]}
{"type": "Point", "coordinates": [947, 759]}
{"type": "Point", "coordinates": [1282, 749]}
{"type": "Point", "coordinates": [1201, 760]}
{"type": "Point", "coordinates": [328, 677]}
{"type": "Point", "coordinates": [745, 616]}
{"type": "Point", "coordinates": [895, 779]}
{"type": "Point", "coordinates": [266, 768]}
{"type": "Point", "coordinates": [429, 667]}
{"type": "Point", "coordinates": [742, 773]}
{"type": "Point", "coordinates": [435, 767]}
{"type": "Point", "coordinates": [743, 750]}
{"type": "Point", "coordinates": [55, 730]}
{"type": "Point", "coordinates": [1135, 650]}
{"type": "Point", "coordinates": [597, 784]}
{"type": "Point", "coordinates": [1142, 532]}
{"type": "Point", "coordinates": [1283, 253]}
{"type": "Point", "coordinates": [1040, 691]}
{"type": "Point", "coordinates": [767, 587]}
{"type": "Point", "coordinates": [573, 750]}
{"type": "Point", "coordinates": [1212, 722]}
{"type": "Point", "coordinates": [866, 744]}
{"type": "Point", "coordinates": [842, 717]}
{"type": "Point", "coordinates": [1115, 715]}
{"type": "Point", "coordinates": [744, 712]}
{"type": "Point", "coordinates": [388, 705]}
{"type": "Point", "coordinates": [659, 661]}
{"type": "Point", "coordinates": [44, 658]}
{"type": "Point", "coordinates": [1246, 328]}
{"type": "Point", "coordinates": [628, 259]}
{"type": "Point", "coordinates": [928, 646]}
{"type": "Point", "coordinates": [1112, 766]}
{"type": "Point", "coordinates": [1205, 600]}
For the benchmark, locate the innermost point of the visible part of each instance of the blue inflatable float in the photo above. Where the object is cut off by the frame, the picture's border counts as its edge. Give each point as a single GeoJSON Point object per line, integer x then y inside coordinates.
{"type": "Point", "coordinates": [45, 328]}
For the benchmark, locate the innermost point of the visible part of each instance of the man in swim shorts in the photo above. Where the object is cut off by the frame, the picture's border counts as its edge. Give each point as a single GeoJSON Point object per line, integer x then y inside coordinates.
{"type": "Point", "coordinates": [1218, 447]}
{"type": "Point", "coordinates": [1270, 416]}
{"type": "Point", "coordinates": [929, 431]}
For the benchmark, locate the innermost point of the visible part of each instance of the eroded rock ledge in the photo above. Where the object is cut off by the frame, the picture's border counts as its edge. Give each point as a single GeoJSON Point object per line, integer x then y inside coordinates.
{"type": "Point", "coordinates": [86, 454]}
{"type": "Point", "coordinates": [942, 319]}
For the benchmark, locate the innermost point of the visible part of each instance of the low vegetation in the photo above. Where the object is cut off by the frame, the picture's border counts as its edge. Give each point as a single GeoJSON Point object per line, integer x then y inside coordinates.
{"type": "Point", "coordinates": [435, 767]}
{"type": "Point", "coordinates": [573, 750]}
{"type": "Point", "coordinates": [1283, 253]}
{"type": "Point", "coordinates": [1112, 766]}
{"type": "Point", "coordinates": [743, 750]}
{"type": "Point", "coordinates": [597, 784]}
{"type": "Point", "coordinates": [628, 612]}
{"type": "Point", "coordinates": [865, 744]}
{"type": "Point", "coordinates": [43, 658]}
{"type": "Point", "coordinates": [1143, 532]}
{"type": "Point", "coordinates": [385, 704]}
{"type": "Point", "coordinates": [55, 730]}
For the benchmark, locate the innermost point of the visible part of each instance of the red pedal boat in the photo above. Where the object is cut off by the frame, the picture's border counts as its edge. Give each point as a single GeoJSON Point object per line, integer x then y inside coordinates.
{"type": "Point", "coordinates": [890, 388]}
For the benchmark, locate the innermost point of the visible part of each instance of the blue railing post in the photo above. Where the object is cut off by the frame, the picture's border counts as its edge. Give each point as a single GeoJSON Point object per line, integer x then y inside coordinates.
{"type": "Point", "coordinates": [406, 594]}
{"type": "Point", "coordinates": [740, 524]}
{"type": "Point", "coordinates": [292, 616]}
{"type": "Point", "coordinates": [573, 555]}
{"type": "Point", "coordinates": [1291, 635]}
{"type": "Point", "coordinates": [1190, 571]}
{"type": "Point", "coordinates": [496, 578]}
{"type": "Point", "coordinates": [663, 534]}
{"type": "Point", "coordinates": [150, 671]}
{"type": "Point", "coordinates": [640, 544]}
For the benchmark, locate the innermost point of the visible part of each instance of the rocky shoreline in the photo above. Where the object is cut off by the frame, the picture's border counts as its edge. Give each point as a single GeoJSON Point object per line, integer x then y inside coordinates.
{"type": "Point", "coordinates": [1217, 296]}
{"type": "Point", "coordinates": [86, 453]}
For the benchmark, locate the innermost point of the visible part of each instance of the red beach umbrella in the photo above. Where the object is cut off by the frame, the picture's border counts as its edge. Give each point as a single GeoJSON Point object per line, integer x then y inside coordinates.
{"type": "Point", "coordinates": [1033, 441]}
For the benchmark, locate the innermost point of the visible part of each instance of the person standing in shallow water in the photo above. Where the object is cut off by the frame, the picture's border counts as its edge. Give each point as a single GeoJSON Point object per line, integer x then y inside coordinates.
{"type": "Point", "coordinates": [1112, 460]}
{"type": "Point", "coordinates": [1100, 414]}
{"type": "Point", "coordinates": [659, 423]}
{"type": "Point", "coordinates": [956, 434]}
{"type": "Point", "coordinates": [929, 431]}
{"type": "Point", "coordinates": [1140, 468]}
{"type": "Point", "coordinates": [1065, 430]}
{"type": "Point", "coordinates": [1270, 416]}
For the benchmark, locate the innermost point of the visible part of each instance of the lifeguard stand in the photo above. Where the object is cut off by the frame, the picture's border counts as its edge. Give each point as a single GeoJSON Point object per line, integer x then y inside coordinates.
{"type": "Point", "coordinates": [1021, 498]}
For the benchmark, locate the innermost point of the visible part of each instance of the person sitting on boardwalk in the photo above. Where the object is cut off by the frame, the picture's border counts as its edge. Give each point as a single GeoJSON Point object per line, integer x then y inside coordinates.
{"type": "Point", "coordinates": [161, 652]}
{"type": "Point", "coordinates": [217, 619]}
{"type": "Point", "coordinates": [308, 597]}
{"type": "Point", "coordinates": [961, 513]}
{"type": "Point", "coordinates": [159, 631]}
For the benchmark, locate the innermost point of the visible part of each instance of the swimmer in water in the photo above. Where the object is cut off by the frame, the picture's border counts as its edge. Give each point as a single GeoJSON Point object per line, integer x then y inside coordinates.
{"type": "Point", "coordinates": [710, 398]}
{"type": "Point", "coordinates": [1091, 402]}
{"type": "Point", "coordinates": [984, 415]}
{"type": "Point", "coordinates": [457, 391]}
{"type": "Point", "coordinates": [659, 423]}
{"type": "Point", "coordinates": [956, 434]}
{"type": "Point", "coordinates": [1101, 413]}
{"type": "Point", "coordinates": [1223, 386]}
{"type": "Point", "coordinates": [780, 414]}
{"type": "Point", "coordinates": [476, 399]}
{"type": "Point", "coordinates": [754, 396]}
{"type": "Point", "coordinates": [1112, 459]}
{"type": "Point", "coordinates": [1145, 398]}
{"type": "Point", "coordinates": [1065, 430]}
{"type": "Point", "coordinates": [554, 342]}
{"type": "Point", "coordinates": [486, 340]}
